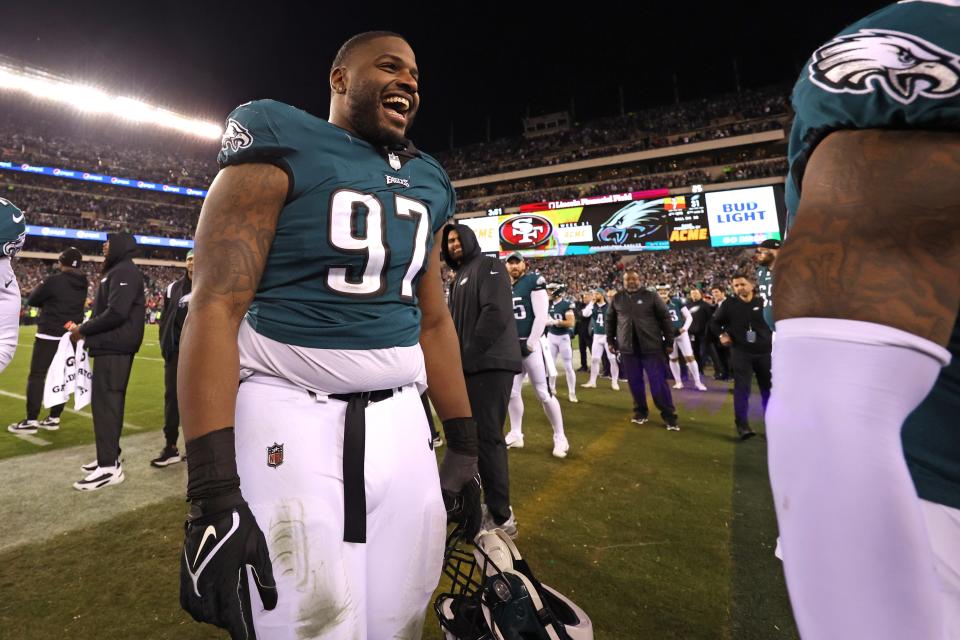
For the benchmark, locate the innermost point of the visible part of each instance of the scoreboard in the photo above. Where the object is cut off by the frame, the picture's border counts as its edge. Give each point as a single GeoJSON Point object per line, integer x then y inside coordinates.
{"type": "Point", "coordinates": [635, 222]}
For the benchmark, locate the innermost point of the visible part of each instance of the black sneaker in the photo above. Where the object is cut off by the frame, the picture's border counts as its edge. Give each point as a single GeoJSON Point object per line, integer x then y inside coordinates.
{"type": "Point", "coordinates": [49, 423]}
{"type": "Point", "coordinates": [24, 426]}
{"type": "Point", "coordinates": [673, 426]}
{"type": "Point", "coordinates": [169, 455]}
{"type": "Point", "coordinates": [638, 419]}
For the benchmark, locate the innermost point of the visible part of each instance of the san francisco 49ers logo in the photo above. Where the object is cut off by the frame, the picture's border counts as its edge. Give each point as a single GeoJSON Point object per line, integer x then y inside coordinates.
{"type": "Point", "coordinates": [525, 232]}
{"type": "Point", "coordinates": [275, 455]}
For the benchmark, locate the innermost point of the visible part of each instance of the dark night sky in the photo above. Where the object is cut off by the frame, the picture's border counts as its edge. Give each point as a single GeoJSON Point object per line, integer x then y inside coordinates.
{"type": "Point", "coordinates": [476, 59]}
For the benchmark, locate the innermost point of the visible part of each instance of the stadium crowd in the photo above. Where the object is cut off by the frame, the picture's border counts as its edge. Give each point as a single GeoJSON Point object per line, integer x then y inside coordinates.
{"type": "Point", "coordinates": [647, 129]}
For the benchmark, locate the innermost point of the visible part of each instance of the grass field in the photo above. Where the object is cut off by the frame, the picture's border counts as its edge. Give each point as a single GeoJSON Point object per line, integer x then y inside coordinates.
{"type": "Point", "coordinates": [655, 534]}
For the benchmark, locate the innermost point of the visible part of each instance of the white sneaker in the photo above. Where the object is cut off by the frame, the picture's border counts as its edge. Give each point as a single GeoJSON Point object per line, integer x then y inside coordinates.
{"type": "Point", "coordinates": [560, 447]}
{"type": "Point", "coordinates": [701, 387]}
{"type": "Point", "coordinates": [49, 423]}
{"type": "Point", "coordinates": [589, 385]}
{"type": "Point", "coordinates": [509, 527]}
{"type": "Point", "coordinates": [100, 478]}
{"type": "Point", "coordinates": [514, 440]}
{"type": "Point", "coordinates": [90, 467]}
{"type": "Point", "coordinates": [615, 386]}
{"type": "Point", "coordinates": [679, 385]}
{"type": "Point", "coordinates": [573, 398]}
{"type": "Point", "coordinates": [24, 426]}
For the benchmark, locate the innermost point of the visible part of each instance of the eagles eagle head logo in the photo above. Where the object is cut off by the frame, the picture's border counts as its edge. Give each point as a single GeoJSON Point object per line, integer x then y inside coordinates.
{"type": "Point", "coordinates": [633, 222]}
{"type": "Point", "coordinates": [236, 137]}
{"type": "Point", "coordinates": [901, 64]}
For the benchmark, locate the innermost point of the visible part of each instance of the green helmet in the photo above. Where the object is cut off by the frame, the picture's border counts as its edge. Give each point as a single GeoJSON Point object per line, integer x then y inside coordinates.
{"type": "Point", "coordinates": [13, 229]}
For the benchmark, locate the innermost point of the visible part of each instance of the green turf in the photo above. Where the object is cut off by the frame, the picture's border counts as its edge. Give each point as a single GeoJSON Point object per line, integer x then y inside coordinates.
{"type": "Point", "coordinates": [656, 534]}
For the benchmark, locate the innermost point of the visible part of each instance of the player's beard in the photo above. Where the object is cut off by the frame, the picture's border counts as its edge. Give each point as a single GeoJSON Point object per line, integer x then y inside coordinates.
{"type": "Point", "coordinates": [364, 106]}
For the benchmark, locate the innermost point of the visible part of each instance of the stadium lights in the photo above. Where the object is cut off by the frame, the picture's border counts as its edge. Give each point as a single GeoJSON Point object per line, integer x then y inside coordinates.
{"type": "Point", "coordinates": [93, 100]}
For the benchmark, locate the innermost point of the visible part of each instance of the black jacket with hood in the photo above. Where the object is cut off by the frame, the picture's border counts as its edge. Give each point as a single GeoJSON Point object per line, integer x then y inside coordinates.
{"type": "Point", "coordinates": [116, 327]}
{"type": "Point", "coordinates": [60, 298]}
{"type": "Point", "coordinates": [481, 303]}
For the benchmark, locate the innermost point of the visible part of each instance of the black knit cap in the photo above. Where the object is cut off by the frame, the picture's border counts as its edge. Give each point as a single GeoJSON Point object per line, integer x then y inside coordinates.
{"type": "Point", "coordinates": [71, 257]}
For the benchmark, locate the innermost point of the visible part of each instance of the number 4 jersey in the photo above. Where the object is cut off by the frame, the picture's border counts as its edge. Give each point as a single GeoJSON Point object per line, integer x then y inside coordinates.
{"type": "Point", "coordinates": [354, 235]}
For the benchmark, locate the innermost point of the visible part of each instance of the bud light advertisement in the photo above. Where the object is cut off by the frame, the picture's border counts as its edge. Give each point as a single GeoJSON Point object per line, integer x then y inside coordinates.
{"type": "Point", "coordinates": [742, 216]}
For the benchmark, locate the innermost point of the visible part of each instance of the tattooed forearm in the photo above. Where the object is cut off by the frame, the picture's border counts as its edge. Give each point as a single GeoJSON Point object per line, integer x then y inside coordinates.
{"type": "Point", "coordinates": [876, 235]}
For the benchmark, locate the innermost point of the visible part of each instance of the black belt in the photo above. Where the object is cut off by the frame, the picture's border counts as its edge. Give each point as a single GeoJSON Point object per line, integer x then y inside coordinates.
{"type": "Point", "coordinates": [354, 443]}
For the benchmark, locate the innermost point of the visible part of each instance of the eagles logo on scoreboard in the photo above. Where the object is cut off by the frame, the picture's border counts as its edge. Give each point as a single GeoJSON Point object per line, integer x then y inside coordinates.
{"type": "Point", "coordinates": [525, 232]}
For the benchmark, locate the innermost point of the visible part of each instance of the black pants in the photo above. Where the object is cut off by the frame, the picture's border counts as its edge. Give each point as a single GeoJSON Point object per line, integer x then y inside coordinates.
{"type": "Point", "coordinates": [43, 352]}
{"type": "Point", "coordinates": [171, 411]}
{"type": "Point", "coordinates": [696, 341]}
{"type": "Point", "coordinates": [655, 366]}
{"type": "Point", "coordinates": [722, 368]}
{"type": "Point", "coordinates": [489, 392]}
{"type": "Point", "coordinates": [110, 377]}
{"type": "Point", "coordinates": [745, 365]}
{"type": "Point", "coordinates": [584, 342]}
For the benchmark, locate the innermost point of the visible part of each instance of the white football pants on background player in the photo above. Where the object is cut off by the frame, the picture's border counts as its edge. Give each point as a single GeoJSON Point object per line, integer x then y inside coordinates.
{"type": "Point", "coordinates": [561, 345]}
{"type": "Point", "coordinates": [535, 366]}
{"type": "Point", "coordinates": [596, 354]}
{"type": "Point", "coordinates": [328, 588]}
{"type": "Point", "coordinates": [682, 344]}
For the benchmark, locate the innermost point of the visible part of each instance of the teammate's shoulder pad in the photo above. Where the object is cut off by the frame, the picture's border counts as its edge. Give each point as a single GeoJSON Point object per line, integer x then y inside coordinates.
{"type": "Point", "coordinates": [540, 282]}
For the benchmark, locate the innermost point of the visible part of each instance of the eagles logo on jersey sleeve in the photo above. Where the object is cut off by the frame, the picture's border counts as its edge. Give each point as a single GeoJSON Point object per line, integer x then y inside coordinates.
{"type": "Point", "coordinates": [252, 134]}
{"type": "Point", "coordinates": [13, 228]}
{"type": "Point", "coordinates": [898, 67]}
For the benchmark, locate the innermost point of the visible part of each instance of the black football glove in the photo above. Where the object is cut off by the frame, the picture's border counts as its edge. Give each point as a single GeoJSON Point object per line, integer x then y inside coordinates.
{"type": "Point", "coordinates": [459, 476]}
{"type": "Point", "coordinates": [217, 549]}
{"type": "Point", "coordinates": [221, 539]}
{"type": "Point", "coordinates": [525, 349]}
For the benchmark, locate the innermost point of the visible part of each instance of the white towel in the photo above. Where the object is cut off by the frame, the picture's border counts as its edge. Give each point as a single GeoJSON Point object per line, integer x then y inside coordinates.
{"type": "Point", "coordinates": [69, 373]}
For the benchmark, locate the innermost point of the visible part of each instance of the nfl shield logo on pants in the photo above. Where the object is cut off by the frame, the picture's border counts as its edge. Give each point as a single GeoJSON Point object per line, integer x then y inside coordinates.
{"type": "Point", "coordinates": [275, 455]}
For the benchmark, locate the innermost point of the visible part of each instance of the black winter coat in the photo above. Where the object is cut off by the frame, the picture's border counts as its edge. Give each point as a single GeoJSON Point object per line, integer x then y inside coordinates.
{"type": "Point", "coordinates": [60, 298]}
{"type": "Point", "coordinates": [116, 327]}
{"type": "Point", "coordinates": [481, 304]}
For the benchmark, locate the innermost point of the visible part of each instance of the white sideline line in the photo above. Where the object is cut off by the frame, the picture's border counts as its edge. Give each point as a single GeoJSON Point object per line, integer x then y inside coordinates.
{"type": "Point", "coordinates": [40, 442]}
{"type": "Point", "coordinates": [127, 425]}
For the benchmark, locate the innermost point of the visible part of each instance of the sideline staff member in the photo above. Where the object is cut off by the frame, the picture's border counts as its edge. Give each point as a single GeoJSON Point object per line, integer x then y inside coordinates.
{"type": "Point", "coordinates": [740, 324]}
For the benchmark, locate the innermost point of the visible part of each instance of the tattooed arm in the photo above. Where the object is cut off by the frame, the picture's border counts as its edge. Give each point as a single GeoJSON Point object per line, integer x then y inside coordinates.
{"type": "Point", "coordinates": [876, 236]}
{"type": "Point", "coordinates": [236, 229]}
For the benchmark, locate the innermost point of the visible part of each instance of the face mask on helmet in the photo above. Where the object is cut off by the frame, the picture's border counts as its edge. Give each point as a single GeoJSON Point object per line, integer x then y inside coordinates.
{"type": "Point", "coordinates": [555, 289]}
{"type": "Point", "coordinates": [495, 596]}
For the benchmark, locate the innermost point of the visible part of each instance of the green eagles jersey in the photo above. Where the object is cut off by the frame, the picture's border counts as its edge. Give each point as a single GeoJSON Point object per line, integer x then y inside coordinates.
{"type": "Point", "coordinates": [765, 288]}
{"type": "Point", "coordinates": [598, 321]}
{"type": "Point", "coordinates": [674, 308]}
{"type": "Point", "coordinates": [13, 229]}
{"type": "Point", "coordinates": [558, 311]}
{"type": "Point", "coordinates": [522, 305]}
{"type": "Point", "coordinates": [354, 235]}
{"type": "Point", "coordinates": [897, 68]}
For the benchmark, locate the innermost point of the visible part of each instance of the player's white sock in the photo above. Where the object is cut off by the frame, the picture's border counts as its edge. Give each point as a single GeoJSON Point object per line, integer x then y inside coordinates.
{"type": "Point", "coordinates": [594, 371]}
{"type": "Point", "coordinates": [515, 410]}
{"type": "Point", "coordinates": [551, 407]}
{"type": "Point", "coordinates": [857, 558]}
{"type": "Point", "coordinates": [675, 370]}
{"type": "Point", "coordinates": [571, 377]}
{"type": "Point", "coordinates": [694, 370]}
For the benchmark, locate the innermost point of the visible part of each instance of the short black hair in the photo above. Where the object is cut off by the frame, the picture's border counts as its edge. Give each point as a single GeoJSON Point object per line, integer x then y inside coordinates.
{"type": "Point", "coordinates": [361, 38]}
{"type": "Point", "coordinates": [741, 274]}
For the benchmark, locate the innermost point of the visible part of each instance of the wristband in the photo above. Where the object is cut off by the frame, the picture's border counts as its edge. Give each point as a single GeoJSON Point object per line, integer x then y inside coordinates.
{"type": "Point", "coordinates": [461, 434]}
{"type": "Point", "coordinates": [212, 469]}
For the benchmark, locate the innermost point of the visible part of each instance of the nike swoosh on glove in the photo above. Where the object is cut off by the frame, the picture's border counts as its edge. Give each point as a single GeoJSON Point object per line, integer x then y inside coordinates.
{"type": "Point", "coordinates": [463, 508]}
{"type": "Point", "coordinates": [217, 549]}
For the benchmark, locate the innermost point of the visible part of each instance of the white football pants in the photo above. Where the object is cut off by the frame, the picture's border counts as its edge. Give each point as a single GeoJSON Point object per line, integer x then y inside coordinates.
{"type": "Point", "coordinates": [596, 354]}
{"type": "Point", "coordinates": [330, 589]}
{"type": "Point", "coordinates": [561, 345]}
{"type": "Point", "coordinates": [535, 366]}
